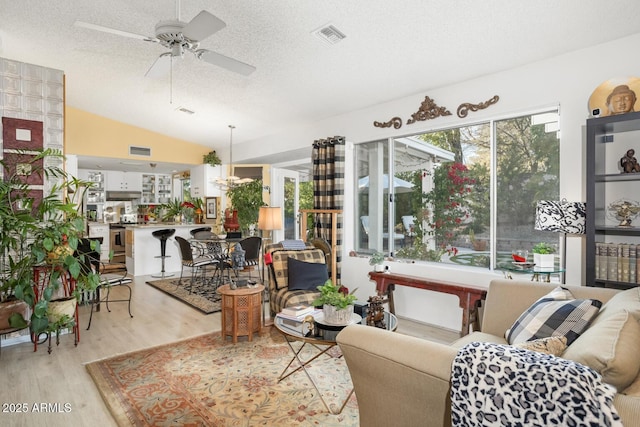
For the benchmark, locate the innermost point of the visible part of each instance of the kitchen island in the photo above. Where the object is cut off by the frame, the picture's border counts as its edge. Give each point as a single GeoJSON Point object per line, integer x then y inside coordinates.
{"type": "Point", "coordinates": [142, 248]}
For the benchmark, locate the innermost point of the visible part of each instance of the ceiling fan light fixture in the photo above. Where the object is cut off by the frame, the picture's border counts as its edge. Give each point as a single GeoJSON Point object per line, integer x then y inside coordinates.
{"type": "Point", "coordinates": [178, 36]}
{"type": "Point", "coordinates": [177, 50]}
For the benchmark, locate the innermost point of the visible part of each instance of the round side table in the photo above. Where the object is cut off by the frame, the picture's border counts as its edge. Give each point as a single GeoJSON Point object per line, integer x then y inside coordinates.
{"type": "Point", "coordinates": [241, 311]}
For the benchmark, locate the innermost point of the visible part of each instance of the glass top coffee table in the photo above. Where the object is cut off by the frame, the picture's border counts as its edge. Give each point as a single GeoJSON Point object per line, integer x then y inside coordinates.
{"type": "Point", "coordinates": [537, 273]}
{"type": "Point", "coordinates": [322, 336]}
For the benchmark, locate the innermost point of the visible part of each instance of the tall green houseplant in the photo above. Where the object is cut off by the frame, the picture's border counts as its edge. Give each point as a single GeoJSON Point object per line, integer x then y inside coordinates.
{"type": "Point", "coordinates": [247, 199]}
{"type": "Point", "coordinates": [40, 234]}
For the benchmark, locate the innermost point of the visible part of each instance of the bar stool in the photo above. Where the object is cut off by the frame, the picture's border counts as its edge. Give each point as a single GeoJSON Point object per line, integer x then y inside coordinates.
{"type": "Point", "coordinates": [163, 235]}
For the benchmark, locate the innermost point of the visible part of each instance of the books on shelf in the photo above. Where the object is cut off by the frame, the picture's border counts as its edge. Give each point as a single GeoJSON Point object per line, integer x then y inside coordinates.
{"type": "Point", "coordinates": [298, 310]}
{"type": "Point", "coordinates": [619, 262]}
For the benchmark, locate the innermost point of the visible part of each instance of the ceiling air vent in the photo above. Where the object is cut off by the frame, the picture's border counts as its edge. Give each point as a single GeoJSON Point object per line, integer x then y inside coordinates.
{"type": "Point", "coordinates": [139, 151]}
{"type": "Point", "coordinates": [329, 34]}
{"type": "Point", "coordinates": [185, 110]}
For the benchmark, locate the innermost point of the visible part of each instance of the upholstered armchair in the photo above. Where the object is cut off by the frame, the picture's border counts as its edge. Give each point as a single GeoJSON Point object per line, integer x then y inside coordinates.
{"type": "Point", "coordinates": [294, 275]}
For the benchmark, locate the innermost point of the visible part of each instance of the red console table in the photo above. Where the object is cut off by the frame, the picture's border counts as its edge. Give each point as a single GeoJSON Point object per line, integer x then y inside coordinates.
{"type": "Point", "coordinates": [469, 296]}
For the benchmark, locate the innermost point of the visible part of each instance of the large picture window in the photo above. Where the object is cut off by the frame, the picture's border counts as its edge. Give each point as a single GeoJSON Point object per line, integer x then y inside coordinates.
{"type": "Point", "coordinates": [463, 196]}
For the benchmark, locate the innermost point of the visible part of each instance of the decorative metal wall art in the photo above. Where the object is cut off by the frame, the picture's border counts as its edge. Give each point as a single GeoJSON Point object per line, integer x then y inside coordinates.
{"type": "Point", "coordinates": [430, 110]}
{"type": "Point", "coordinates": [396, 122]}
{"type": "Point", "coordinates": [463, 109]}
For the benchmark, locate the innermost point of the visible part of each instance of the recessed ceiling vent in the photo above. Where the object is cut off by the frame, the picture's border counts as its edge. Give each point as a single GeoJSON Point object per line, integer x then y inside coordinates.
{"type": "Point", "coordinates": [185, 110]}
{"type": "Point", "coordinates": [139, 151]}
{"type": "Point", "coordinates": [329, 34]}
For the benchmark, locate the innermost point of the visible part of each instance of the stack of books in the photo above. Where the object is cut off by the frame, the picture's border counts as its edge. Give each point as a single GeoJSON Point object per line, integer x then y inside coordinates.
{"type": "Point", "coordinates": [298, 310]}
{"type": "Point", "coordinates": [292, 318]}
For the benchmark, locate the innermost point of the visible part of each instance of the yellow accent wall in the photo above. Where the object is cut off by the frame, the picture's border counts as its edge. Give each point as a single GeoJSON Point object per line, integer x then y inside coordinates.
{"type": "Point", "coordinates": [88, 134]}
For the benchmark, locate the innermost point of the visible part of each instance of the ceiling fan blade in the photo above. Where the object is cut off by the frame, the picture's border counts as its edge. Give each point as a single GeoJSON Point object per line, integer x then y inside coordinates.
{"type": "Point", "coordinates": [225, 62]}
{"type": "Point", "coordinates": [161, 67]}
{"type": "Point", "coordinates": [202, 26]}
{"type": "Point", "coordinates": [114, 31]}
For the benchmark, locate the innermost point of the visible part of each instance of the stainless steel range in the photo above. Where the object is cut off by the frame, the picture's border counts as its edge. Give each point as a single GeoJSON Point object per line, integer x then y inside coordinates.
{"type": "Point", "coordinates": [117, 242]}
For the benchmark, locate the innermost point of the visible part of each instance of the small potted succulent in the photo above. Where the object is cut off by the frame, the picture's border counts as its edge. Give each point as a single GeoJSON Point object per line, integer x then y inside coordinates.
{"type": "Point", "coordinates": [543, 255]}
{"type": "Point", "coordinates": [337, 303]}
{"type": "Point", "coordinates": [376, 260]}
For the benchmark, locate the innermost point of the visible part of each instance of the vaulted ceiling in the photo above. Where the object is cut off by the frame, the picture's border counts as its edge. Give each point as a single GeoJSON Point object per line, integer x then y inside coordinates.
{"type": "Point", "coordinates": [391, 50]}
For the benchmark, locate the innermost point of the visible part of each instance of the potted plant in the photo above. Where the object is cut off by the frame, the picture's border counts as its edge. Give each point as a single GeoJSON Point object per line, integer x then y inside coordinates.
{"type": "Point", "coordinates": [40, 239]}
{"type": "Point", "coordinates": [198, 205]}
{"type": "Point", "coordinates": [211, 158]}
{"type": "Point", "coordinates": [543, 255]}
{"type": "Point", "coordinates": [376, 260]}
{"type": "Point", "coordinates": [246, 199]}
{"type": "Point", "coordinates": [336, 302]}
{"type": "Point", "coordinates": [172, 211]}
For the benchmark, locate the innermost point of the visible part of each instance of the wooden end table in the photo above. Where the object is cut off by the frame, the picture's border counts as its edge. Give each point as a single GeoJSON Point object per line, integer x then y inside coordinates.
{"type": "Point", "coordinates": [241, 311]}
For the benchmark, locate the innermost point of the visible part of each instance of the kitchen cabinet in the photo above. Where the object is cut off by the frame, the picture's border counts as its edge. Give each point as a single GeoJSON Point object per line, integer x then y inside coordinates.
{"type": "Point", "coordinates": [156, 189]}
{"type": "Point", "coordinates": [613, 245]}
{"type": "Point", "coordinates": [95, 193]}
{"type": "Point", "coordinates": [203, 181]}
{"type": "Point", "coordinates": [123, 181]}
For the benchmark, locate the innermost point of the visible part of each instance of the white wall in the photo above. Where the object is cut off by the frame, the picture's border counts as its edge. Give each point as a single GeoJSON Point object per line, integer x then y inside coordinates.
{"type": "Point", "coordinates": [567, 80]}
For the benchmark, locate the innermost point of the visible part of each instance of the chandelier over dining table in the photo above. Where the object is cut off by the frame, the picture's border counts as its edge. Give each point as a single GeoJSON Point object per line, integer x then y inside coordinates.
{"type": "Point", "coordinates": [232, 180]}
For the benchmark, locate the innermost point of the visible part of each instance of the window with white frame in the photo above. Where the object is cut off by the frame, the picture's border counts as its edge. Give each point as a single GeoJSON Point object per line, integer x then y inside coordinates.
{"type": "Point", "coordinates": [463, 196]}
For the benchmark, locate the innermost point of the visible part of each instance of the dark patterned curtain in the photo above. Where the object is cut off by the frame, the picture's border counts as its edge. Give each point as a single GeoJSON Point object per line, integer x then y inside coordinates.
{"type": "Point", "coordinates": [328, 190]}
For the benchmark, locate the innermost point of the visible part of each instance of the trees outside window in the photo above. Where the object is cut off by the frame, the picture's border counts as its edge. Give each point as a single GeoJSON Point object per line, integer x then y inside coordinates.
{"type": "Point", "coordinates": [448, 187]}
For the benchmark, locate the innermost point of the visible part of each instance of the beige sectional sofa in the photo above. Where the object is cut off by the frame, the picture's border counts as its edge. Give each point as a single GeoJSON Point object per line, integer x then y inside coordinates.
{"type": "Point", "coordinates": [403, 380]}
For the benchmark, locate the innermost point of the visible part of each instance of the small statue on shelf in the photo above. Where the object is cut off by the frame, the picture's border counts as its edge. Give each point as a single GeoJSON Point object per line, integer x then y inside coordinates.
{"type": "Point", "coordinates": [629, 163]}
{"type": "Point", "coordinates": [375, 313]}
{"type": "Point", "coordinates": [624, 211]}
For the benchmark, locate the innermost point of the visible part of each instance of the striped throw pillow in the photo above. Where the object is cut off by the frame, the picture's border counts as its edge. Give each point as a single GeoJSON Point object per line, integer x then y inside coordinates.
{"type": "Point", "coordinates": [555, 314]}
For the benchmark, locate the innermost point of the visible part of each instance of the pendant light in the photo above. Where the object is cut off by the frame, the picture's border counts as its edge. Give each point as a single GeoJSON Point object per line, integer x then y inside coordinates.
{"type": "Point", "coordinates": [231, 181]}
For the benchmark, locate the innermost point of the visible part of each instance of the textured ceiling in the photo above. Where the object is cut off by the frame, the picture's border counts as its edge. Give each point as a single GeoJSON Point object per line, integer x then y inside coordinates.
{"type": "Point", "coordinates": [392, 49]}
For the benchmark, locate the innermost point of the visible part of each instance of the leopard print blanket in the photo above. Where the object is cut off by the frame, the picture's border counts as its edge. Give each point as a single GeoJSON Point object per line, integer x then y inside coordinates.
{"type": "Point", "coordinates": [500, 385]}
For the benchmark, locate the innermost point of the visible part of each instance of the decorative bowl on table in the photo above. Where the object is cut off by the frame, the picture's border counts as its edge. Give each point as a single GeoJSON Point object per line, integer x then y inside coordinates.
{"type": "Point", "coordinates": [520, 255]}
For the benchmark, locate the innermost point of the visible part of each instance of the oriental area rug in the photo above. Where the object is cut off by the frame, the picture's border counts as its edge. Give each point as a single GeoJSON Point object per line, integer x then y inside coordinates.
{"type": "Point", "coordinates": [203, 296]}
{"type": "Point", "coordinates": [208, 381]}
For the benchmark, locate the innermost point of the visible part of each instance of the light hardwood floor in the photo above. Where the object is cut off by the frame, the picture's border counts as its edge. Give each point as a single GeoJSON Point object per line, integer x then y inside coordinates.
{"type": "Point", "coordinates": [60, 381]}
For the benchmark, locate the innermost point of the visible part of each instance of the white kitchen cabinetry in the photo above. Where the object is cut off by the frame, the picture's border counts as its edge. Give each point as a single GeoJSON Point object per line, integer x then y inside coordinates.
{"type": "Point", "coordinates": [203, 181]}
{"type": "Point", "coordinates": [124, 181]}
{"type": "Point", "coordinates": [156, 188]}
{"type": "Point", "coordinates": [95, 193]}
{"type": "Point", "coordinates": [101, 230]}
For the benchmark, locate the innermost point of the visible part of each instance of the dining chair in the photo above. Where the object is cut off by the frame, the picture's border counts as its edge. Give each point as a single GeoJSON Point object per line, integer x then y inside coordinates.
{"type": "Point", "coordinates": [197, 265]}
{"type": "Point", "coordinates": [111, 274]}
{"type": "Point", "coordinates": [251, 246]}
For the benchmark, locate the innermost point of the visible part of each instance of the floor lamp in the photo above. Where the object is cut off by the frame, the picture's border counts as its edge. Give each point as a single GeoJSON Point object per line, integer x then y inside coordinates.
{"type": "Point", "coordinates": [561, 217]}
{"type": "Point", "coordinates": [269, 219]}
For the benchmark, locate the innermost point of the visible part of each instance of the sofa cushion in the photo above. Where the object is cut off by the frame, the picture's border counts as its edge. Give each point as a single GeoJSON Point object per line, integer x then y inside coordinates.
{"type": "Point", "coordinates": [550, 345]}
{"type": "Point", "coordinates": [306, 276]}
{"type": "Point", "coordinates": [280, 263]}
{"type": "Point", "coordinates": [555, 314]}
{"type": "Point", "coordinates": [610, 347]}
{"type": "Point", "coordinates": [625, 300]}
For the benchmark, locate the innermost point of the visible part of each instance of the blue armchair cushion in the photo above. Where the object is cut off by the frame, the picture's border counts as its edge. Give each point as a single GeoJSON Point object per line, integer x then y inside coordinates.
{"type": "Point", "coordinates": [306, 275]}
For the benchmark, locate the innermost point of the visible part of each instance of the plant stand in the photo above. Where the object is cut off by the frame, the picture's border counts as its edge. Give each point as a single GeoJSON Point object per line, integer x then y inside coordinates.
{"type": "Point", "coordinates": [41, 278]}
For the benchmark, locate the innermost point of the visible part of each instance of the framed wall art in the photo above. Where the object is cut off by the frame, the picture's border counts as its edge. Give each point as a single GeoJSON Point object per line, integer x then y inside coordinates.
{"type": "Point", "coordinates": [212, 207]}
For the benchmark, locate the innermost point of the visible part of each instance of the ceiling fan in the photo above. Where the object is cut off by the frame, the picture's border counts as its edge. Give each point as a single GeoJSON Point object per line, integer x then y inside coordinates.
{"type": "Point", "coordinates": [178, 37]}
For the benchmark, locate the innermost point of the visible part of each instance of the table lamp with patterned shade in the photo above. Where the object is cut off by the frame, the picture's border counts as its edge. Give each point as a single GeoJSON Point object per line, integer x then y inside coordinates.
{"type": "Point", "coordinates": [561, 217]}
